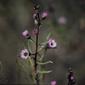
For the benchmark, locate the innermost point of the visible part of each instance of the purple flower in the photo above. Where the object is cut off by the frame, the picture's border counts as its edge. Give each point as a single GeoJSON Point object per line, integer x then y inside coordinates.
{"type": "Point", "coordinates": [62, 20]}
{"type": "Point", "coordinates": [24, 54]}
{"type": "Point", "coordinates": [72, 77]}
{"type": "Point", "coordinates": [53, 82]}
{"type": "Point", "coordinates": [26, 34]}
{"type": "Point", "coordinates": [44, 15]}
{"type": "Point", "coordinates": [51, 43]}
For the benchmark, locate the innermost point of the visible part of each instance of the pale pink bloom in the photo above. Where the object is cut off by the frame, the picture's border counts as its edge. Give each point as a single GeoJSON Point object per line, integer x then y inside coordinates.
{"type": "Point", "coordinates": [44, 15]}
{"type": "Point", "coordinates": [62, 20]}
{"type": "Point", "coordinates": [52, 43]}
{"type": "Point", "coordinates": [53, 82]}
{"type": "Point", "coordinates": [72, 77]}
{"type": "Point", "coordinates": [24, 54]}
{"type": "Point", "coordinates": [26, 34]}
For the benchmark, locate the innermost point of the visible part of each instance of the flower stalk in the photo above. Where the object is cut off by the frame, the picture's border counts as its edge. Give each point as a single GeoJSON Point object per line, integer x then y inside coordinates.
{"type": "Point", "coordinates": [36, 50]}
{"type": "Point", "coordinates": [36, 56]}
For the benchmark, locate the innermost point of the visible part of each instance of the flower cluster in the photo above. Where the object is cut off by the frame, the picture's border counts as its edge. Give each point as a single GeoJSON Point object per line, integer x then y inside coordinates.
{"type": "Point", "coordinates": [49, 43]}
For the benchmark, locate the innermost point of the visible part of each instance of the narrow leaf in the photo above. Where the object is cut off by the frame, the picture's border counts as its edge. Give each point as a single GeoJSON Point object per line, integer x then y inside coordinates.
{"type": "Point", "coordinates": [48, 36]}
{"type": "Point", "coordinates": [44, 72]}
{"type": "Point", "coordinates": [43, 63]}
{"type": "Point", "coordinates": [29, 46]}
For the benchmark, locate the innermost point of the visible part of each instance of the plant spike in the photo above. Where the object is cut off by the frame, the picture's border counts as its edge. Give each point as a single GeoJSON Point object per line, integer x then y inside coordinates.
{"type": "Point", "coordinates": [37, 38]}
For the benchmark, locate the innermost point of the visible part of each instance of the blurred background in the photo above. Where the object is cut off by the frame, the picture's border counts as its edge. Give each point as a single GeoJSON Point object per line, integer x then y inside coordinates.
{"type": "Point", "coordinates": [66, 22]}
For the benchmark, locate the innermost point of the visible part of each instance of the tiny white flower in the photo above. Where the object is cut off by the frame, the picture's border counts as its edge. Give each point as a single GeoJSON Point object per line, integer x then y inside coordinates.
{"type": "Point", "coordinates": [24, 54]}
{"type": "Point", "coordinates": [52, 43]}
{"type": "Point", "coordinates": [36, 22]}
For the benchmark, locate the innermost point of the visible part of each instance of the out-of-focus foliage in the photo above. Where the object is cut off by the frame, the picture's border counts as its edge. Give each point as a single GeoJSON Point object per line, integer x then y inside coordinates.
{"type": "Point", "coordinates": [16, 15]}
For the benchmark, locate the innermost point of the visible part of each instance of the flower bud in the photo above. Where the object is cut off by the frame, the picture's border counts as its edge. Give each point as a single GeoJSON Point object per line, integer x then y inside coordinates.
{"type": "Point", "coordinates": [35, 16]}
{"type": "Point", "coordinates": [36, 22]}
{"type": "Point", "coordinates": [44, 15]}
{"type": "Point", "coordinates": [26, 34]}
{"type": "Point", "coordinates": [36, 7]}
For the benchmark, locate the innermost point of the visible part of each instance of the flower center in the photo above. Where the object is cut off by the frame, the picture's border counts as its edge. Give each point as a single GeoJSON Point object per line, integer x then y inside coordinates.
{"type": "Point", "coordinates": [51, 43]}
{"type": "Point", "coordinates": [27, 34]}
{"type": "Point", "coordinates": [25, 54]}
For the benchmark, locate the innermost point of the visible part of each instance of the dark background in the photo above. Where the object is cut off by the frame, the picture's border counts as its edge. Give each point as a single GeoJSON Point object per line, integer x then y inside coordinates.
{"type": "Point", "coordinates": [16, 15]}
